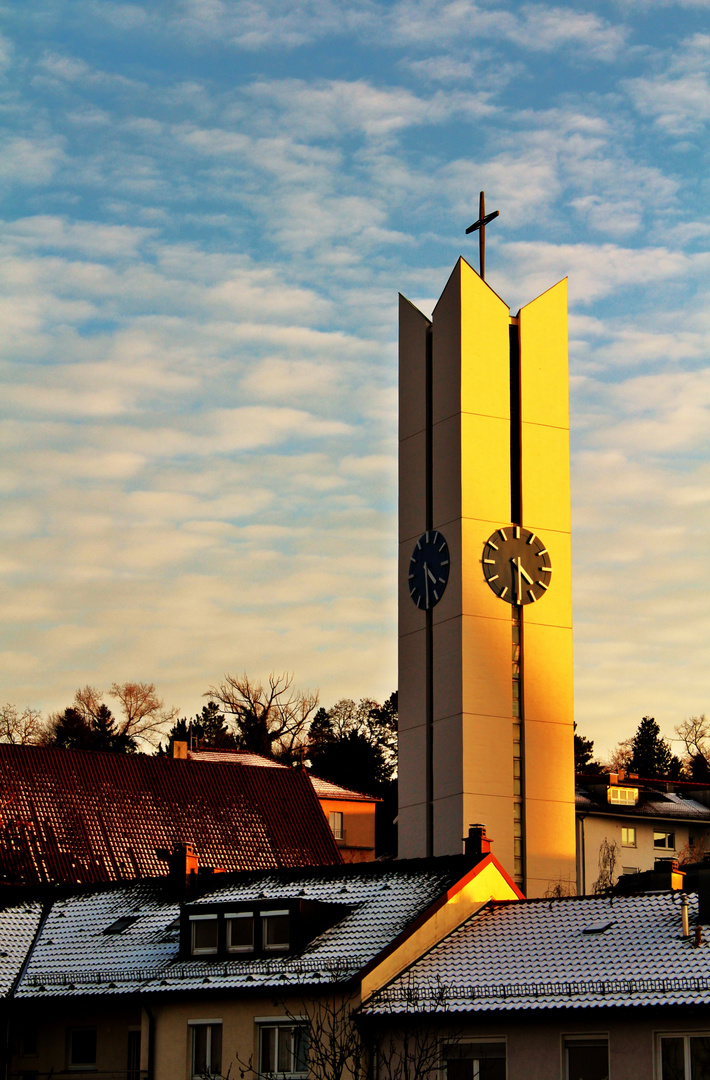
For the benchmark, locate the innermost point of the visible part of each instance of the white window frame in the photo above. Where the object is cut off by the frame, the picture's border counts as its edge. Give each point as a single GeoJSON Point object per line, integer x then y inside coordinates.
{"type": "Point", "coordinates": [665, 846]}
{"type": "Point", "coordinates": [336, 821]}
{"type": "Point", "coordinates": [570, 1037]}
{"type": "Point", "coordinates": [629, 829]}
{"type": "Point", "coordinates": [279, 1022]}
{"type": "Point", "coordinates": [686, 1036]}
{"type": "Point", "coordinates": [234, 915]}
{"type": "Point", "coordinates": [622, 796]}
{"type": "Point", "coordinates": [263, 915]}
{"type": "Point", "coordinates": [210, 1022]}
{"type": "Point", "coordinates": [194, 951]}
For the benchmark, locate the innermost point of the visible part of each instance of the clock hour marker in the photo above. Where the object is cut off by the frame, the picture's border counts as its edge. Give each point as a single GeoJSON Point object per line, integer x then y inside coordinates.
{"type": "Point", "coordinates": [531, 594]}
{"type": "Point", "coordinates": [494, 577]}
{"type": "Point", "coordinates": [517, 532]}
{"type": "Point", "coordinates": [444, 562]}
{"type": "Point", "coordinates": [442, 546]}
{"type": "Point", "coordinates": [442, 581]}
{"type": "Point", "coordinates": [502, 535]}
{"type": "Point", "coordinates": [419, 545]}
{"type": "Point", "coordinates": [489, 561]}
{"type": "Point", "coordinates": [541, 584]}
{"type": "Point", "coordinates": [505, 589]}
{"type": "Point", "coordinates": [531, 538]}
{"type": "Point", "coordinates": [543, 552]}
{"type": "Point", "coordinates": [545, 570]}
{"type": "Point", "coordinates": [436, 595]}
{"type": "Point", "coordinates": [491, 544]}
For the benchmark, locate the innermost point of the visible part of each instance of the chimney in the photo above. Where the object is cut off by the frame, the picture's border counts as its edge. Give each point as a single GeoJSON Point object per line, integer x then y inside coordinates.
{"type": "Point", "coordinates": [183, 867]}
{"type": "Point", "coordinates": [666, 874]}
{"type": "Point", "coordinates": [179, 749]}
{"type": "Point", "coordinates": [476, 844]}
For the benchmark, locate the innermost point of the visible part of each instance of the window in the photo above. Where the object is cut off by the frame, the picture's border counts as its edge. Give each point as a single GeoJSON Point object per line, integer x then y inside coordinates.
{"type": "Point", "coordinates": [628, 837]}
{"type": "Point", "coordinates": [81, 1048]}
{"type": "Point", "coordinates": [664, 840]}
{"type": "Point", "coordinates": [28, 1040]}
{"type": "Point", "coordinates": [685, 1057]}
{"type": "Point", "coordinates": [283, 1049]}
{"type": "Point", "coordinates": [133, 1061]}
{"type": "Point", "coordinates": [629, 796]}
{"type": "Point", "coordinates": [475, 1061]}
{"type": "Point", "coordinates": [204, 930]}
{"type": "Point", "coordinates": [275, 930]}
{"type": "Point", "coordinates": [335, 820]}
{"type": "Point", "coordinates": [629, 870]}
{"type": "Point", "coordinates": [240, 932]}
{"type": "Point", "coordinates": [206, 1049]}
{"type": "Point", "coordinates": [586, 1058]}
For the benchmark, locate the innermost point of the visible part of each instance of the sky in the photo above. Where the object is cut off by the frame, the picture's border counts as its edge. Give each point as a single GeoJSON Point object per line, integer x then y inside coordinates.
{"type": "Point", "coordinates": [207, 210]}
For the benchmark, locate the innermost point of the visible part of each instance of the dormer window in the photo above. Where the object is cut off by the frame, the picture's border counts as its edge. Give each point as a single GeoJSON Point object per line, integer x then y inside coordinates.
{"type": "Point", "coordinates": [275, 930]}
{"type": "Point", "coordinates": [626, 796]}
{"type": "Point", "coordinates": [240, 932]}
{"type": "Point", "coordinates": [204, 935]}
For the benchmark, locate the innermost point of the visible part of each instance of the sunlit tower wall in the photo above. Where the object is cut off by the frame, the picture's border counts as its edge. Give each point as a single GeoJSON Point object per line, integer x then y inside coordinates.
{"type": "Point", "coordinates": [485, 686]}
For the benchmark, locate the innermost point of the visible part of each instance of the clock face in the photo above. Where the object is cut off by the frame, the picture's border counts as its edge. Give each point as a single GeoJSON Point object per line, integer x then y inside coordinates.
{"type": "Point", "coordinates": [516, 565]}
{"type": "Point", "coordinates": [429, 570]}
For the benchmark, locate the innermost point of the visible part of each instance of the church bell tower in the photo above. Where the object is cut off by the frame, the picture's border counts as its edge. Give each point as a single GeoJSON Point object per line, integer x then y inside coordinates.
{"type": "Point", "coordinates": [485, 606]}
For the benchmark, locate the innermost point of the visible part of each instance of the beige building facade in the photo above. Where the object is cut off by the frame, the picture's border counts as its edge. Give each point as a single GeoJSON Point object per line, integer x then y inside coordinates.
{"type": "Point", "coordinates": [485, 685]}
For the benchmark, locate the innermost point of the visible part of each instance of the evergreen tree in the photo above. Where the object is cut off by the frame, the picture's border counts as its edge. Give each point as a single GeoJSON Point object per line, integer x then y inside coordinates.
{"type": "Point", "coordinates": [584, 755]}
{"type": "Point", "coordinates": [355, 745]}
{"type": "Point", "coordinates": [74, 730]}
{"type": "Point", "coordinates": [206, 731]}
{"type": "Point", "coordinates": [652, 757]}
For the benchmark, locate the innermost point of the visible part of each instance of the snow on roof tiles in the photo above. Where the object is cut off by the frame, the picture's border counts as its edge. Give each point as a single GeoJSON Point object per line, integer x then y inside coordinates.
{"type": "Point", "coordinates": [554, 954]}
{"type": "Point", "coordinates": [324, 789]}
{"type": "Point", "coordinates": [74, 955]}
{"type": "Point", "coordinates": [74, 816]}
{"type": "Point", "coordinates": [18, 926]}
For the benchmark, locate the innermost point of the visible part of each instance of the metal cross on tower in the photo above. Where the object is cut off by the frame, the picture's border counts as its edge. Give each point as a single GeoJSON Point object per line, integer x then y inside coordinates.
{"type": "Point", "coordinates": [480, 226]}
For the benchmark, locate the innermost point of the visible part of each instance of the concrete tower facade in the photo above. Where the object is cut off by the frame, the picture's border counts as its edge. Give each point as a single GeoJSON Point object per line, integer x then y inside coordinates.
{"type": "Point", "coordinates": [485, 634]}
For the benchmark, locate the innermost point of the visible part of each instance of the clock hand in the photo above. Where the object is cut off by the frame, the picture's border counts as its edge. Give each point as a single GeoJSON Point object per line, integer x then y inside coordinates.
{"type": "Point", "coordinates": [518, 582]}
{"type": "Point", "coordinates": [525, 574]}
{"type": "Point", "coordinates": [426, 584]}
{"type": "Point", "coordinates": [432, 576]}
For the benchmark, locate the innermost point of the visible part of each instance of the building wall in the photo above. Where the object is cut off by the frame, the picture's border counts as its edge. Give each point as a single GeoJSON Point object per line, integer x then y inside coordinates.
{"type": "Point", "coordinates": [592, 830]}
{"type": "Point", "coordinates": [535, 1041]}
{"type": "Point", "coordinates": [54, 1018]}
{"type": "Point", "coordinates": [358, 843]}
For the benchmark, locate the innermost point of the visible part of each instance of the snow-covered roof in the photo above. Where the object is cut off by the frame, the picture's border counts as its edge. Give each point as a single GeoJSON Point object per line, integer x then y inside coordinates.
{"type": "Point", "coordinates": [18, 926]}
{"type": "Point", "coordinates": [324, 789]}
{"type": "Point", "coordinates": [75, 955]}
{"type": "Point", "coordinates": [651, 803]}
{"type": "Point", "coordinates": [586, 952]}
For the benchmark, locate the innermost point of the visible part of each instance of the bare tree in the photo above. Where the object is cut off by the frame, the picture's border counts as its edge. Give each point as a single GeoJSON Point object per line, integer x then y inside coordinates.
{"type": "Point", "coordinates": [144, 713]}
{"type": "Point", "coordinates": [695, 735]}
{"type": "Point", "coordinates": [144, 716]}
{"type": "Point", "coordinates": [621, 755]}
{"type": "Point", "coordinates": [607, 866]}
{"type": "Point", "coordinates": [270, 719]}
{"type": "Point", "coordinates": [21, 728]}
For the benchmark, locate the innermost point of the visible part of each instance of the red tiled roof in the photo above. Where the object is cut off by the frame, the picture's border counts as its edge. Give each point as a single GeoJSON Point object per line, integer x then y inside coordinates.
{"type": "Point", "coordinates": [71, 815]}
{"type": "Point", "coordinates": [324, 788]}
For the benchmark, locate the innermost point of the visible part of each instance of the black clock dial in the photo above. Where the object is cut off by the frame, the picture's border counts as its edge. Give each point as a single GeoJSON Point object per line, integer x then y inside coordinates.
{"type": "Point", "coordinates": [516, 565]}
{"type": "Point", "coordinates": [429, 570]}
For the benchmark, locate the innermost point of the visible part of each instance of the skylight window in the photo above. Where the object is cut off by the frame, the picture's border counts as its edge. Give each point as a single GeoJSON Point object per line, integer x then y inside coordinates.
{"type": "Point", "coordinates": [598, 927]}
{"type": "Point", "coordinates": [121, 924]}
